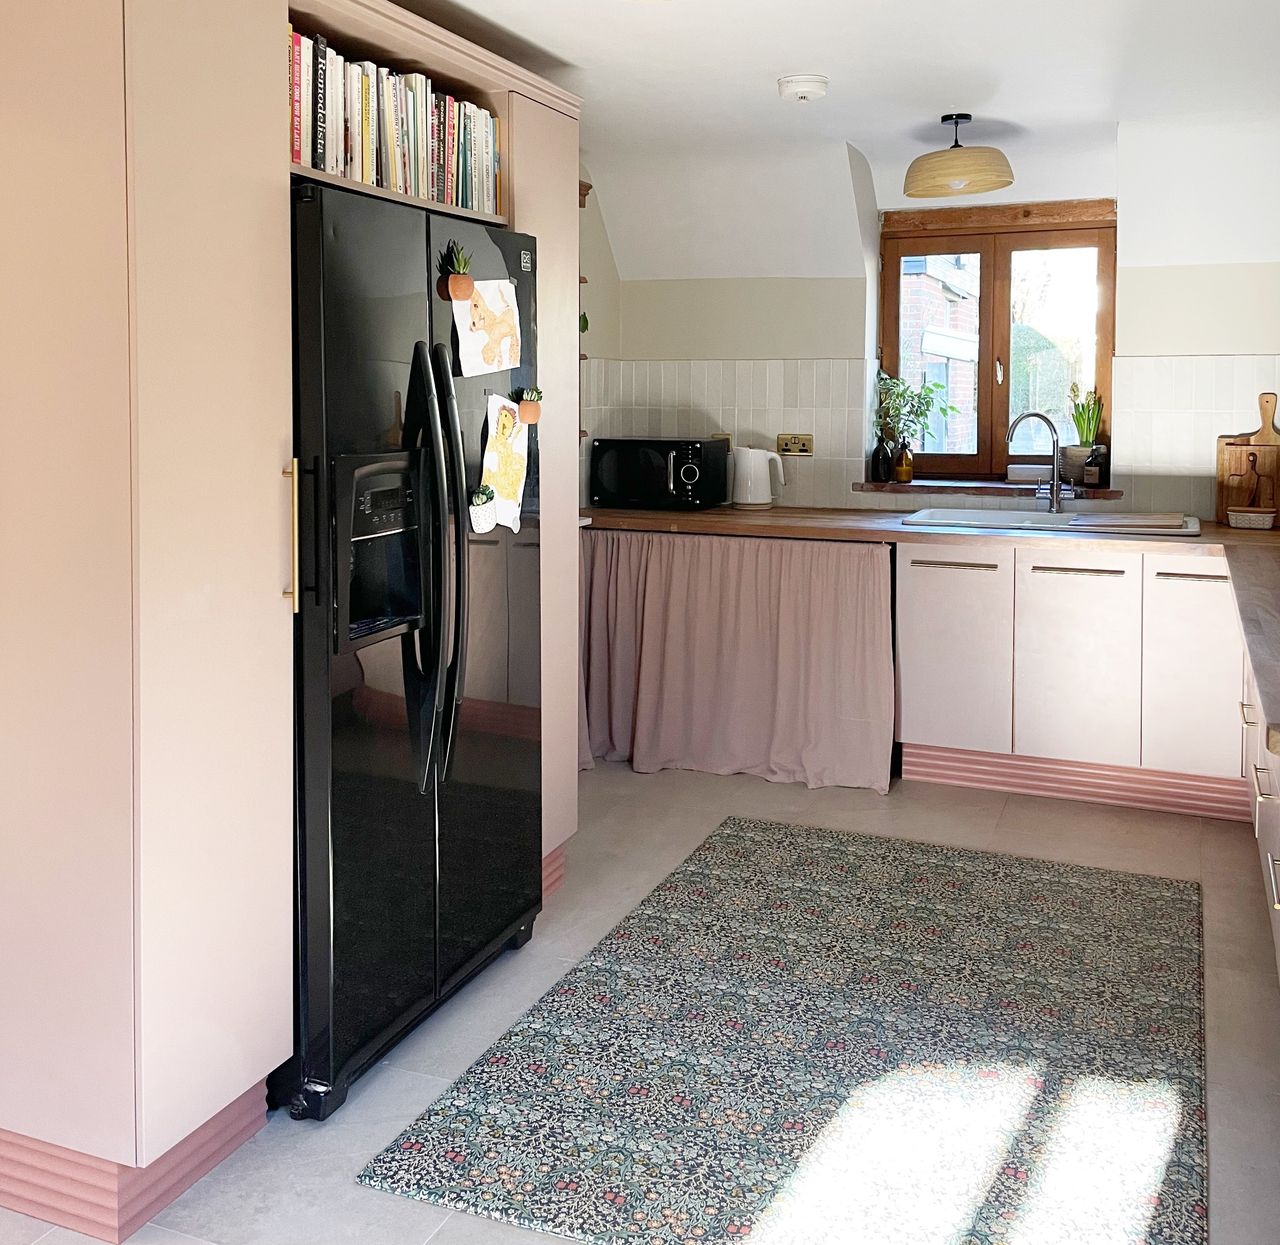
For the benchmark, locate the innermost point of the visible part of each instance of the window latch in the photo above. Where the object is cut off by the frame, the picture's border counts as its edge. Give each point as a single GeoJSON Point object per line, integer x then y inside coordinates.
{"type": "Point", "coordinates": [999, 371]}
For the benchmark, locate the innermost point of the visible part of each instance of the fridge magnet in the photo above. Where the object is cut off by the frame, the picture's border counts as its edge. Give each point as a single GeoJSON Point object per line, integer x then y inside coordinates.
{"type": "Point", "coordinates": [488, 329]}
{"type": "Point", "coordinates": [484, 510]}
{"type": "Point", "coordinates": [506, 457]}
{"type": "Point", "coordinates": [455, 282]}
{"type": "Point", "coordinates": [529, 404]}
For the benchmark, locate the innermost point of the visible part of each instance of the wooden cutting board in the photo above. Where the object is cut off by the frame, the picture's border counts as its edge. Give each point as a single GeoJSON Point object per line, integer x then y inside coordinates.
{"type": "Point", "coordinates": [1249, 463]}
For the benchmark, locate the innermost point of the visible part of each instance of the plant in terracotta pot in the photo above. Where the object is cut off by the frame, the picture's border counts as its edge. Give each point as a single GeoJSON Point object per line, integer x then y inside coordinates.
{"type": "Point", "coordinates": [905, 414]}
{"type": "Point", "coordinates": [484, 510]}
{"type": "Point", "coordinates": [530, 404]}
{"type": "Point", "coordinates": [1086, 414]}
{"type": "Point", "coordinates": [455, 282]}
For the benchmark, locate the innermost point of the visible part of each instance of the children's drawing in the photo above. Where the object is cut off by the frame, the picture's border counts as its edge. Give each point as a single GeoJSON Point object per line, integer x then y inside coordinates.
{"type": "Point", "coordinates": [506, 458]}
{"type": "Point", "coordinates": [488, 327]}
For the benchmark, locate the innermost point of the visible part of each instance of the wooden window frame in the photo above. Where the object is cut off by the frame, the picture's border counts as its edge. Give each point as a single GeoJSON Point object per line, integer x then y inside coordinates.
{"type": "Point", "coordinates": [994, 233]}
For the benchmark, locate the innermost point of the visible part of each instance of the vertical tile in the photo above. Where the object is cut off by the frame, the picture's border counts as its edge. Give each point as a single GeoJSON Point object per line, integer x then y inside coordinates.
{"type": "Point", "coordinates": [684, 383]}
{"type": "Point", "coordinates": [790, 384]}
{"type": "Point", "coordinates": [1162, 390]}
{"type": "Point", "coordinates": [759, 383]}
{"type": "Point", "coordinates": [728, 383]}
{"type": "Point", "coordinates": [1183, 382]}
{"type": "Point", "coordinates": [698, 385]}
{"type": "Point", "coordinates": [806, 381]}
{"type": "Point", "coordinates": [1202, 379]}
{"type": "Point", "coordinates": [822, 443]}
{"type": "Point", "coordinates": [822, 382]}
{"type": "Point", "coordinates": [839, 382]}
{"type": "Point", "coordinates": [640, 384]}
{"type": "Point", "coordinates": [773, 381]}
{"type": "Point", "coordinates": [668, 422]}
{"type": "Point", "coordinates": [803, 419]}
{"type": "Point", "coordinates": [712, 373]}
{"type": "Point", "coordinates": [744, 398]}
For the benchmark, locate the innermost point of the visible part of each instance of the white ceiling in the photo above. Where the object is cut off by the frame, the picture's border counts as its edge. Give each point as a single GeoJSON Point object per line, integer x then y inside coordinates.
{"type": "Point", "coordinates": [703, 171]}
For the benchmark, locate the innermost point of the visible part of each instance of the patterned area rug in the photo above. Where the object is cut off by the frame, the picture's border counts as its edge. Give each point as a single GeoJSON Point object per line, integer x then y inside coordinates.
{"type": "Point", "coordinates": [807, 1036]}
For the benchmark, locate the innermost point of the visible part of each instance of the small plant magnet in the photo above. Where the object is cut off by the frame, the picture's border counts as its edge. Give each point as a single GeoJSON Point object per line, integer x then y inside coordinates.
{"type": "Point", "coordinates": [455, 282]}
{"type": "Point", "coordinates": [484, 510]}
{"type": "Point", "coordinates": [529, 402]}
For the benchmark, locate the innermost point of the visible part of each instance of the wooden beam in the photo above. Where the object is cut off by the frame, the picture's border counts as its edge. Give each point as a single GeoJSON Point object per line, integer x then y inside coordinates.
{"type": "Point", "coordinates": [1064, 214]}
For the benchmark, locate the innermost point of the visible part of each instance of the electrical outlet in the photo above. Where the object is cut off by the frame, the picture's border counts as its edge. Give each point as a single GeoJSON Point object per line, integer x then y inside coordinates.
{"type": "Point", "coordinates": [796, 444]}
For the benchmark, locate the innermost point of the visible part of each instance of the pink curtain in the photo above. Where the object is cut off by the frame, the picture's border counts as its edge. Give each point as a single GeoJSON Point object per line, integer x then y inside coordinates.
{"type": "Point", "coordinates": [737, 655]}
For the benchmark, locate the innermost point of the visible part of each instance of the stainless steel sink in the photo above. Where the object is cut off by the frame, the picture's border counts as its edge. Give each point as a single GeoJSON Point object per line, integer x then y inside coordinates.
{"type": "Point", "coordinates": [1041, 521]}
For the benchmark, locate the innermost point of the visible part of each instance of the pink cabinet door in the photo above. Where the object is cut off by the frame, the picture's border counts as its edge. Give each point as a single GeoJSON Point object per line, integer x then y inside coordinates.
{"type": "Point", "coordinates": [1077, 685]}
{"type": "Point", "coordinates": [1192, 657]}
{"type": "Point", "coordinates": [955, 646]}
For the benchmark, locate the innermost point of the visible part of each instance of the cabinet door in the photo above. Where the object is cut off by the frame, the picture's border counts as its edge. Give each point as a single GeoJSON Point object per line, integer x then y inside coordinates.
{"type": "Point", "coordinates": [1077, 684]}
{"type": "Point", "coordinates": [1192, 658]}
{"type": "Point", "coordinates": [1251, 751]}
{"type": "Point", "coordinates": [1267, 813]}
{"type": "Point", "coordinates": [955, 646]}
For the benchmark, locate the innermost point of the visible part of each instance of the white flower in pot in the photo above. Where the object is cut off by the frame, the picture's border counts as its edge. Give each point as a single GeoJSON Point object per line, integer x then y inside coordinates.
{"type": "Point", "coordinates": [484, 510]}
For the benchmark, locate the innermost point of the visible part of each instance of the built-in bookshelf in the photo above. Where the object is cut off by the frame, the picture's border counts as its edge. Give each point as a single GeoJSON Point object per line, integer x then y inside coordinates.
{"type": "Point", "coordinates": [390, 129]}
{"type": "Point", "coordinates": [333, 179]}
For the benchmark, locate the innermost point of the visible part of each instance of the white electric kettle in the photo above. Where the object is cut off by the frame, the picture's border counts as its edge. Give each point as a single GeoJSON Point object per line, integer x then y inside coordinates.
{"type": "Point", "coordinates": [752, 478]}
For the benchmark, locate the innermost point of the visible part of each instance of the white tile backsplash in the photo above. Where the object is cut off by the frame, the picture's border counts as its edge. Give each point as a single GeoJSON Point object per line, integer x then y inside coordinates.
{"type": "Point", "coordinates": [753, 400]}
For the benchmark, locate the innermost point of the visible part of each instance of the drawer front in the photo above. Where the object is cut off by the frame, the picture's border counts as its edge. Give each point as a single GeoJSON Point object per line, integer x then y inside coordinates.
{"type": "Point", "coordinates": [1268, 826]}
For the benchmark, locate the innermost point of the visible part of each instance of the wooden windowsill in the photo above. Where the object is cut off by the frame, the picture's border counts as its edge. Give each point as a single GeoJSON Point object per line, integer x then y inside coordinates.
{"type": "Point", "coordinates": [978, 488]}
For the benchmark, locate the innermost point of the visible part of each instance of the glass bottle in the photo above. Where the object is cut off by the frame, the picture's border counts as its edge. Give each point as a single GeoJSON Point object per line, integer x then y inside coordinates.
{"type": "Point", "coordinates": [902, 464]}
{"type": "Point", "coordinates": [1095, 466]}
{"type": "Point", "coordinates": [882, 458]}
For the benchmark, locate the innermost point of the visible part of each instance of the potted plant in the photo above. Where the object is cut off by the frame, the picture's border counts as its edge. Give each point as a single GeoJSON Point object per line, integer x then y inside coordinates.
{"type": "Point", "coordinates": [530, 403]}
{"type": "Point", "coordinates": [1086, 414]}
{"type": "Point", "coordinates": [455, 282]}
{"type": "Point", "coordinates": [905, 413]}
{"type": "Point", "coordinates": [484, 510]}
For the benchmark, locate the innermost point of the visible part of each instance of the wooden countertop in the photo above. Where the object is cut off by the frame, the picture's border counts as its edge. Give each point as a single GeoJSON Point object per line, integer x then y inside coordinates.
{"type": "Point", "coordinates": [1253, 559]}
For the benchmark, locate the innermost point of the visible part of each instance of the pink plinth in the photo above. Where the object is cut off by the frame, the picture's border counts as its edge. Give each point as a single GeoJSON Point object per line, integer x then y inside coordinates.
{"type": "Point", "coordinates": [108, 1200]}
{"type": "Point", "coordinates": [552, 870]}
{"type": "Point", "coordinates": [1225, 798]}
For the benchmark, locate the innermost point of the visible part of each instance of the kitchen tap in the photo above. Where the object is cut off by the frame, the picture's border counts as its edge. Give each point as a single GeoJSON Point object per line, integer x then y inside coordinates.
{"type": "Point", "coordinates": [1055, 488]}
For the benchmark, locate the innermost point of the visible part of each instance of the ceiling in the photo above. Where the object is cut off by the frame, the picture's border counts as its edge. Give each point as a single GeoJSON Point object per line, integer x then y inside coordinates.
{"type": "Point", "coordinates": [703, 171]}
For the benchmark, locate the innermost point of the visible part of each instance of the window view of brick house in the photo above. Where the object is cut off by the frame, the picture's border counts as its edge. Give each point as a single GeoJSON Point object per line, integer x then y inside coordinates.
{"type": "Point", "coordinates": [938, 341]}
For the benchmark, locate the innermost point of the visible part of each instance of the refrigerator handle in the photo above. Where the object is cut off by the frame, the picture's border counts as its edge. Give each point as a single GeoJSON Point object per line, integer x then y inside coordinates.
{"type": "Point", "coordinates": [457, 673]}
{"type": "Point", "coordinates": [422, 396]}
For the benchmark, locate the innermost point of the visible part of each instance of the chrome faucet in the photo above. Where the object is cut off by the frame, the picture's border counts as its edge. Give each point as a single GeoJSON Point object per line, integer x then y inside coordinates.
{"type": "Point", "coordinates": [1055, 487]}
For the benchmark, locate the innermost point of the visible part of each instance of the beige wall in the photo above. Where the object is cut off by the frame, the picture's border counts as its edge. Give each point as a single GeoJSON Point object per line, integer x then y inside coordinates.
{"type": "Point", "coordinates": [1198, 309]}
{"type": "Point", "coordinates": [599, 297]}
{"type": "Point", "coordinates": [743, 318]}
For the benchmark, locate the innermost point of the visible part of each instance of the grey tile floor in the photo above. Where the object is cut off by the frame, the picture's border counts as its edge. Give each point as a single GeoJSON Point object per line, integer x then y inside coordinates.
{"type": "Point", "coordinates": [293, 1183]}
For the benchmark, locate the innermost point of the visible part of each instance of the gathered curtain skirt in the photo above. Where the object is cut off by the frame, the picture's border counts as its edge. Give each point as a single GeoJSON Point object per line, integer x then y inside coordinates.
{"type": "Point", "coordinates": [737, 655]}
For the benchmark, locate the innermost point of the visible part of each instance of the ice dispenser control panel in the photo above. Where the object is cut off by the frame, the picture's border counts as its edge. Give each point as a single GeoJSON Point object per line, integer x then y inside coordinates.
{"type": "Point", "coordinates": [383, 505]}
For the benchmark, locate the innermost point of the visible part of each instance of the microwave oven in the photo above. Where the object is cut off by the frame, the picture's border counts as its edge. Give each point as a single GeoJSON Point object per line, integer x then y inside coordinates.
{"type": "Point", "coordinates": [659, 473]}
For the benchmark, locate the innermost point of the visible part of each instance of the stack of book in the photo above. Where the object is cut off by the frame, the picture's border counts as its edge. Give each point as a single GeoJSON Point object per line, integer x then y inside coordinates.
{"type": "Point", "coordinates": [371, 124]}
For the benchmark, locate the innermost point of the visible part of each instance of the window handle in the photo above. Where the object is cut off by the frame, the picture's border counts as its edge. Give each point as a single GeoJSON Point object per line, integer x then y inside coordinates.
{"type": "Point", "coordinates": [999, 371]}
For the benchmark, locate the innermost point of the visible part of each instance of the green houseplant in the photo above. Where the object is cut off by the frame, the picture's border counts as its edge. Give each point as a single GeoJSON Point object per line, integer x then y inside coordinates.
{"type": "Point", "coordinates": [905, 413]}
{"type": "Point", "coordinates": [484, 510]}
{"type": "Point", "coordinates": [456, 283]}
{"type": "Point", "coordinates": [1086, 414]}
{"type": "Point", "coordinates": [530, 403]}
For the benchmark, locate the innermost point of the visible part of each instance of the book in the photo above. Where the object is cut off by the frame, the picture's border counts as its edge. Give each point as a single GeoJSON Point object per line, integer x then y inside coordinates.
{"type": "Point", "coordinates": [335, 95]}
{"type": "Point", "coordinates": [319, 75]}
{"type": "Point", "coordinates": [308, 111]}
{"type": "Point", "coordinates": [295, 96]}
{"type": "Point", "coordinates": [450, 149]}
{"type": "Point", "coordinates": [486, 137]}
{"type": "Point", "coordinates": [369, 96]}
{"type": "Point", "coordinates": [440, 108]}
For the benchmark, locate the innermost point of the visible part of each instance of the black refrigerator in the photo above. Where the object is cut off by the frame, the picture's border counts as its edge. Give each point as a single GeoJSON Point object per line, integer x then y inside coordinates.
{"type": "Point", "coordinates": [417, 728]}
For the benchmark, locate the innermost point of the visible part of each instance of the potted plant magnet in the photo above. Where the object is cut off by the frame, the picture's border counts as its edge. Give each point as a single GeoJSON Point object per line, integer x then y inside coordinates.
{"type": "Point", "coordinates": [905, 412]}
{"type": "Point", "coordinates": [1086, 414]}
{"type": "Point", "coordinates": [484, 510]}
{"type": "Point", "coordinates": [529, 402]}
{"type": "Point", "coordinates": [455, 282]}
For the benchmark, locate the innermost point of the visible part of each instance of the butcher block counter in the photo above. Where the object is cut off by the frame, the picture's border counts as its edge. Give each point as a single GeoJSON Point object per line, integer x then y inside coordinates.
{"type": "Point", "coordinates": [1253, 558]}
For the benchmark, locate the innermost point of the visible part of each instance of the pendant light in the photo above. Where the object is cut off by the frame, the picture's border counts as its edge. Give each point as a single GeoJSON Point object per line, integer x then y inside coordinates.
{"type": "Point", "coordinates": [957, 170]}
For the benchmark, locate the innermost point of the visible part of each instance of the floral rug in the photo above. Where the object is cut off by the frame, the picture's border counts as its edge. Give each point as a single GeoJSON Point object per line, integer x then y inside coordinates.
{"type": "Point", "coordinates": [805, 1036]}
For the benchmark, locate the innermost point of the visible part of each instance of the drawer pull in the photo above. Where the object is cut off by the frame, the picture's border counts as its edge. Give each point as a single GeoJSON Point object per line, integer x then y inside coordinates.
{"type": "Point", "coordinates": [1108, 572]}
{"type": "Point", "coordinates": [1194, 578]}
{"type": "Point", "coordinates": [956, 566]}
{"type": "Point", "coordinates": [1258, 792]}
{"type": "Point", "coordinates": [1244, 716]}
{"type": "Point", "coordinates": [1271, 875]}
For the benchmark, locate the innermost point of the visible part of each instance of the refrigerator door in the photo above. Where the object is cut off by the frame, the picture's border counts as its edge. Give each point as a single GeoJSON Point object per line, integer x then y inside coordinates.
{"type": "Point", "coordinates": [368, 640]}
{"type": "Point", "coordinates": [489, 791]}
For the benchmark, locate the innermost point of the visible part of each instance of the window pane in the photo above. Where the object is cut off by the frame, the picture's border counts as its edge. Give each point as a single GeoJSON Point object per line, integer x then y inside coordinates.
{"type": "Point", "coordinates": [1053, 298]}
{"type": "Point", "coordinates": [938, 341]}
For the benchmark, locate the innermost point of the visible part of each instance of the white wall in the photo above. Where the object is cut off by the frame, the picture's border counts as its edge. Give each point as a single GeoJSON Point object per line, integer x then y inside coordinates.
{"type": "Point", "coordinates": [599, 297]}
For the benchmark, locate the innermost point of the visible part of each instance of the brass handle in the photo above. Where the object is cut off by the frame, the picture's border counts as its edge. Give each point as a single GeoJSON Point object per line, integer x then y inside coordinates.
{"type": "Point", "coordinates": [1244, 716]}
{"type": "Point", "coordinates": [1271, 873]}
{"type": "Point", "coordinates": [1076, 570]}
{"type": "Point", "coordinates": [292, 473]}
{"type": "Point", "coordinates": [956, 566]}
{"type": "Point", "coordinates": [1258, 792]}
{"type": "Point", "coordinates": [1199, 579]}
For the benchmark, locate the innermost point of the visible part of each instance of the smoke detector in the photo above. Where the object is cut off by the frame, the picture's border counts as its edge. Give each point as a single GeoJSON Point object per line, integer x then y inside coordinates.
{"type": "Point", "coordinates": [803, 87]}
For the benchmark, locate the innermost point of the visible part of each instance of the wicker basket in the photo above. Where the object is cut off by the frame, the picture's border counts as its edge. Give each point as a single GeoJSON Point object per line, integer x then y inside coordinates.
{"type": "Point", "coordinates": [1251, 516]}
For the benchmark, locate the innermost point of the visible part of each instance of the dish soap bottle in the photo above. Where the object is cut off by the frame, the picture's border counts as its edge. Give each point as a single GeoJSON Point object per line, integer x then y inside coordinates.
{"type": "Point", "coordinates": [881, 459]}
{"type": "Point", "coordinates": [1095, 466]}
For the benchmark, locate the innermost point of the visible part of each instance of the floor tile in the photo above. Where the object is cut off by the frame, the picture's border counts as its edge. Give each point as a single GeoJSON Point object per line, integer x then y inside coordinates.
{"type": "Point", "coordinates": [1244, 1167]}
{"type": "Point", "coordinates": [1242, 1029]}
{"type": "Point", "coordinates": [465, 1229]}
{"type": "Point", "coordinates": [148, 1234]}
{"type": "Point", "coordinates": [16, 1229]}
{"type": "Point", "coordinates": [294, 1183]}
